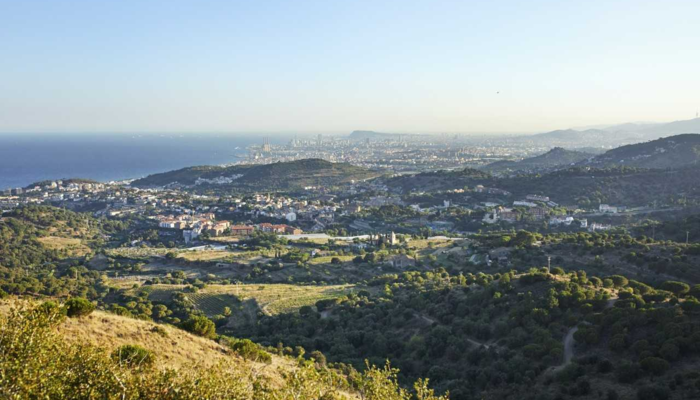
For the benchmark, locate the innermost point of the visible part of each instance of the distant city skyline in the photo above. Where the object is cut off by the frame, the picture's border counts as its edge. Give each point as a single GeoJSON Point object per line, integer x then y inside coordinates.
{"type": "Point", "coordinates": [321, 67]}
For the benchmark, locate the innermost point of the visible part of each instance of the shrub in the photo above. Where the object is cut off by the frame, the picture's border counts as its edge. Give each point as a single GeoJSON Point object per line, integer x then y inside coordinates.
{"type": "Point", "coordinates": [79, 307]}
{"type": "Point", "coordinates": [201, 326]}
{"type": "Point", "coordinates": [655, 365]}
{"type": "Point", "coordinates": [246, 349]}
{"type": "Point", "coordinates": [652, 393]}
{"type": "Point", "coordinates": [619, 280]}
{"type": "Point", "coordinates": [52, 309]}
{"type": "Point", "coordinates": [677, 288]}
{"type": "Point", "coordinates": [160, 331]}
{"type": "Point", "coordinates": [319, 358]}
{"type": "Point", "coordinates": [627, 372]}
{"type": "Point", "coordinates": [133, 356]}
{"type": "Point", "coordinates": [669, 351]}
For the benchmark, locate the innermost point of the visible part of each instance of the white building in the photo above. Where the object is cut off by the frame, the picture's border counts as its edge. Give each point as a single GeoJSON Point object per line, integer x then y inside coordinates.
{"type": "Point", "coordinates": [561, 220]}
{"type": "Point", "coordinates": [536, 197]}
{"type": "Point", "coordinates": [291, 216]}
{"type": "Point", "coordinates": [604, 208]}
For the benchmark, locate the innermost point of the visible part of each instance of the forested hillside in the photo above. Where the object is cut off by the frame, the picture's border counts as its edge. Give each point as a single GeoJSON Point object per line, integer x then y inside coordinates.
{"type": "Point", "coordinates": [497, 336]}
{"type": "Point", "coordinates": [582, 186]}
{"type": "Point", "coordinates": [277, 176]}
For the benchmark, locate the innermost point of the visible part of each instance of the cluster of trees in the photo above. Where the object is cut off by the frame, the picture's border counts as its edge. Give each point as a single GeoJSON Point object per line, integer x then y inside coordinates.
{"type": "Point", "coordinates": [587, 187]}
{"type": "Point", "coordinates": [474, 333]}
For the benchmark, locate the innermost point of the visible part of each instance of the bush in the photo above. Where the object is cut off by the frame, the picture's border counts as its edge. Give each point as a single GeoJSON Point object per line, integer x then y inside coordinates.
{"type": "Point", "coordinates": [79, 307]}
{"type": "Point", "coordinates": [160, 331]}
{"type": "Point", "coordinates": [52, 309]}
{"type": "Point", "coordinates": [652, 393]}
{"type": "Point", "coordinates": [655, 365]}
{"type": "Point", "coordinates": [557, 271]}
{"type": "Point", "coordinates": [619, 280]}
{"type": "Point", "coordinates": [133, 356]}
{"type": "Point", "coordinates": [627, 372]}
{"type": "Point", "coordinates": [677, 288]}
{"type": "Point", "coordinates": [319, 358]}
{"type": "Point", "coordinates": [246, 349]}
{"type": "Point", "coordinates": [201, 326]}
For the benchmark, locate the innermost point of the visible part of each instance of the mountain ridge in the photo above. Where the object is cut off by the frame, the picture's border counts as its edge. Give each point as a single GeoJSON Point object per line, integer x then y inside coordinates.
{"type": "Point", "coordinates": [554, 158]}
{"type": "Point", "coordinates": [279, 176]}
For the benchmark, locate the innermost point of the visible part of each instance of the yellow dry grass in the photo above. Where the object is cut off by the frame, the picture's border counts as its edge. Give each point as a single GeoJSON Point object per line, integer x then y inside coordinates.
{"type": "Point", "coordinates": [73, 245]}
{"type": "Point", "coordinates": [110, 331]}
{"type": "Point", "coordinates": [205, 255]}
{"type": "Point", "coordinates": [176, 349]}
{"type": "Point", "coordinates": [327, 259]}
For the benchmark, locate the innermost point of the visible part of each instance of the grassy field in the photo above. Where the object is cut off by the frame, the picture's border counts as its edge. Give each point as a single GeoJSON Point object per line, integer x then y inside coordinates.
{"type": "Point", "coordinates": [327, 259]}
{"type": "Point", "coordinates": [270, 298]}
{"type": "Point", "coordinates": [206, 255]}
{"type": "Point", "coordinates": [136, 252]}
{"type": "Point", "coordinates": [73, 246]}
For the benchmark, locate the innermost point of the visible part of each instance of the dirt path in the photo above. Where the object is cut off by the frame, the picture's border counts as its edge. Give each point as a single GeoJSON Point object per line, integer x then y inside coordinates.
{"type": "Point", "coordinates": [472, 341]}
{"type": "Point", "coordinates": [569, 342]}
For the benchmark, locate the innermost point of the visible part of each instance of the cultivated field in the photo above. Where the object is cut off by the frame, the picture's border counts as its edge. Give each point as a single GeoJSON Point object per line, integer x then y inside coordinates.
{"type": "Point", "coordinates": [269, 298]}
{"type": "Point", "coordinates": [72, 246]}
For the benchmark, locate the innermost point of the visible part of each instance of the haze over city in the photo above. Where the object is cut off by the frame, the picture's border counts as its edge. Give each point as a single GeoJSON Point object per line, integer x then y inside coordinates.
{"type": "Point", "coordinates": [334, 67]}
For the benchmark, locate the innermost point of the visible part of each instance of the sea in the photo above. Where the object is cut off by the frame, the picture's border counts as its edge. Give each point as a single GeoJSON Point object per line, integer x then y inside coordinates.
{"type": "Point", "coordinates": [29, 158]}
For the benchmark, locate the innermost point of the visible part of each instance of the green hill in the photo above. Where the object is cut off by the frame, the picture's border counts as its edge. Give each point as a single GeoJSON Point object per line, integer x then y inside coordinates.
{"type": "Point", "coordinates": [670, 152]}
{"type": "Point", "coordinates": [277, 176]}
{"type": "Point", "coordinates": [584, 186]}
{"type": "Point", "coordinates": [553, 159]}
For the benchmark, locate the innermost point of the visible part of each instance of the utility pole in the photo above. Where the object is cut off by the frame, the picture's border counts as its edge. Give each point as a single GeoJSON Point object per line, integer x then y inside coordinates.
{"type": "Point", "coordinates": [687, 236]}
{"type": "Point", "coordinates": [549, 264]}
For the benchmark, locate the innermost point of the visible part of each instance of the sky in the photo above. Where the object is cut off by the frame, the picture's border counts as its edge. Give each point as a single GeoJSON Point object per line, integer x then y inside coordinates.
{"type": "Point", "coordinates": [336, 66]}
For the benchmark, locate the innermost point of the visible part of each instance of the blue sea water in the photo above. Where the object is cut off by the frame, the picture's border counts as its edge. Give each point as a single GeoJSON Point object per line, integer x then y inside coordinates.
{"type": "Point", "coordinates": [25, 159]}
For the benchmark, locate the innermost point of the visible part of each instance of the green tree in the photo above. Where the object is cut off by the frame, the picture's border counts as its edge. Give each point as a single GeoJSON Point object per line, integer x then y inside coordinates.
{"type": "Point", "coordinates": [79, 307]}
{"type": "Point", "coordinates": [200, 325]}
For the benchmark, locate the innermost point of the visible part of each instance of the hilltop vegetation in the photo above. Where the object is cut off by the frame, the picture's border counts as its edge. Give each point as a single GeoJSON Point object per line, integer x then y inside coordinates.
{"type": "Point", "coordinates": [671, 152]}
{"type": "Point", "coordinates": [501, 336]}
{"type": "Point", "coordinates": [582, 186]}
{"type": "Point", "coordinates": [554, 159]}
{"type": "Point", "coordinates": [35, 235]}
{"type": "Point", "coordinates": [277, 176]}
{"type": "Point", "coordinates": [53, 366]}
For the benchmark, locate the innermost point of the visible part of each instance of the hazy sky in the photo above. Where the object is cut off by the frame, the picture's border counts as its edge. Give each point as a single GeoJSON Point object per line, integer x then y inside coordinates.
{"type": "Point", "coordinates": [336, 66]}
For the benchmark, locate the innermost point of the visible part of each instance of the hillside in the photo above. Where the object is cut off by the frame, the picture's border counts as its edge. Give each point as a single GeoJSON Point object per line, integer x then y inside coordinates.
{"type": "Point", "coordinates": [670, 152]}
{"type": "Point", "coordinates": [175, 348]}
{"type": "Point", "coordinates": [584, 186]}
{"type": "Point", "coordinates": [572, 135]}
{"type": "Point", "coordinates": [102, 356]}
{"type": "Point", "coordinates": [615, 135]}
{"type": "Point", "coordinates": [34, 235]}
{"type": "Point", "coordinates": [554, 159]}
{"type": "Point", "coordinates": [505, 335]}
{"type": "Point", "coordinates": [277, 176]}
